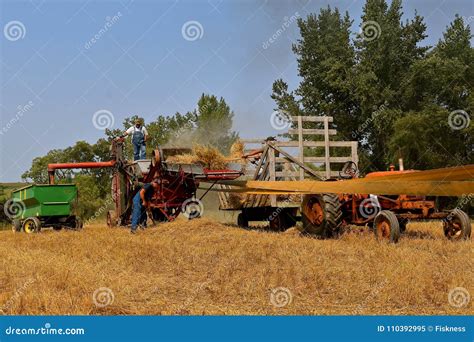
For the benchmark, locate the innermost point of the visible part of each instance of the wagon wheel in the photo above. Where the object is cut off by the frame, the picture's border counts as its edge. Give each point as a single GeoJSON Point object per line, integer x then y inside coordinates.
{"type": "Point", "coordinates": [242, 220]}
{"type": "Point", "coordinates": [403, 222]}
{"type": "Point", "coordinates": [278, 223]}
{"type": "Point", "coordinates": [386, 226]}
{"type": "Point", "coordinates": [16, 226]}
{"type": "Point", "coordinates": [457, 226]}
{"type": "Point", "coordinates": [322, 215]}
{"type": "Point", "coordinates": [111, 219]}
{"type": "Point", "coordinates": [31, 225]}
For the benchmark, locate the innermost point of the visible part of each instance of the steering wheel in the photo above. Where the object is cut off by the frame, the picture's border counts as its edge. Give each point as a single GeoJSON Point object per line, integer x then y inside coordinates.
{"type": "Point", "coordinates": [349, 170]}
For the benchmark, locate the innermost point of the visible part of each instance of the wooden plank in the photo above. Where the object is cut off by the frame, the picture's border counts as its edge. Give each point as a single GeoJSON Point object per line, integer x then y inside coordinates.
{"type": "Point", "coordinates": [315, 143]}
{"type": "Point", "coordinates": [291, 174]}
{"type": "Point", "coordinates": [308, 131]}
{"type": "Point", "coordinates": [251, 199]}
{"type": "Point", "coordinates": [289, 156]}
{"type": "Point", "coordinates": [355, 156]}
{"type": "Point", "coordinates": [326, 147]}
{"type": "Point", "coordinates": [271, 157]}
{"type": "Point", "coordinates": [300, 144]}
{"type": "Point", "coordinates": [312, 118]}
{"type": "Point", "coordinates": [324, 159]}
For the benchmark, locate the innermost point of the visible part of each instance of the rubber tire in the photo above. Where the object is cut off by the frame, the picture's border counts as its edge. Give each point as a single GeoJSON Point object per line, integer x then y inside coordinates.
{"type": "Point", "coordinates": [36, 225]}
{"type": "Point", "coordinates": [403, 225]}
{"type": "Point", "coordinates": [242, 220]}
{"type": "Point", "coordinates": [16, 226]}
{"type": "Point", "coordinates": [279, 223]}
{"type": "Point", "coordinates": [78, 224]}
{"type": "Point", "coordinates": [465, 225]}
{"type": "Point", "coordinates": [332, 221]}
{"type": "Point", "coordinates": [393, 222]}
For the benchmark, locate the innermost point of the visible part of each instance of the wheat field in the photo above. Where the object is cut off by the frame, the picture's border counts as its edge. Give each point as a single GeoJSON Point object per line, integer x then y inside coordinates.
{"type": "Point", "coordinates": [202, 267]}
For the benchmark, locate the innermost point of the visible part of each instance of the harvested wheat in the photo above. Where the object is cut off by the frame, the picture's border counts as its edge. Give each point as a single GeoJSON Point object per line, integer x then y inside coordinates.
{"type": "Point", "coordinates": [206, 156]}
{"type": "Point", "coordinates": [237, 150]}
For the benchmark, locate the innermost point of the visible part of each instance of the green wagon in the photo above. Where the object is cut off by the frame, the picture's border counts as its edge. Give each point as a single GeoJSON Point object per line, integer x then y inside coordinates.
{"type": "Point", "coordinates": [43, 206]}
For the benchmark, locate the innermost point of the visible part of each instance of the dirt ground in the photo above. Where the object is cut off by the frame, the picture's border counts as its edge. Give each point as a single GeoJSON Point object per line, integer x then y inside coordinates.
{"type": "Point", "coordinates": [203, 267]}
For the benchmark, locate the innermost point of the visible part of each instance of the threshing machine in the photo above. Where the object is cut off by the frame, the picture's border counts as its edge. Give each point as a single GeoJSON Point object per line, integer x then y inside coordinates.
{"type": "Point", "coordinates": [178, 183]}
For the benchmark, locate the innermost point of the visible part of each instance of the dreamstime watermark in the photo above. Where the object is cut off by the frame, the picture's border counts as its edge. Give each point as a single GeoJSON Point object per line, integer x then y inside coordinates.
{"type": "Point", "coordinates": [369, 207]}
{"type": "Point", "coordinates": [14, 208]}
{"type": "Point", "coordinates": [103, 297]}
{"type": "Point", "coordinates": [280, 297]}
{"type": "Point", "coordinates": [373, 293]}
{"type": "Point", "coordinates": [457, 31]}
{"type": "Point", "coordinates": [370, 30]}
{"type": "Point", "coordinates": [109, 22]}
{"type": "Point", "coordinates": [192, 30]}
{"type": "Point", "coordinates": [18, 293]}
{"type": "Point", "coordinates": [286, 24]}
{"type": "Point", "coordinates": [459, 119]}
{"type": "Point", "coordinates": [465, 199]}
{"type": "Point", "coordinates": [103, 119]}
{"type": "Point", "coordinates": [14, 30]}
{"type": "Point", "coordinates": [459, 297]}
{"type": "Point", "coordinates": [47, 329]}
{"type": "Point", "coordinates": [21, 110]}
{"type": "Point", "coordinates": [192, 208]}
{"type": "Point", "coordinates": [280, 120]}
{"type": "Point", "coordinates": [109, 201]}
{"type": "Point", "coordinates": [367, 122]}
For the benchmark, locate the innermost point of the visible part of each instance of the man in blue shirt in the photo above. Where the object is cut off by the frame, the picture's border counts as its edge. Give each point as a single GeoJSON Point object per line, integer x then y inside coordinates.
{"type": "Point", "coordinates": [141, 201]}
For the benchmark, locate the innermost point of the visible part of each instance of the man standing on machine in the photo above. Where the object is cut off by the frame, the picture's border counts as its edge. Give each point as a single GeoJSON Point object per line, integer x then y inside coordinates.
{"type": "Point", "coordinates": [139, 138]}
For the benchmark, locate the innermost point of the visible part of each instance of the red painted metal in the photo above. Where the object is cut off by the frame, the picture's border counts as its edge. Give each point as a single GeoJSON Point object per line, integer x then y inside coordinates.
{"type": "Point", "coordinates": [83, 165]}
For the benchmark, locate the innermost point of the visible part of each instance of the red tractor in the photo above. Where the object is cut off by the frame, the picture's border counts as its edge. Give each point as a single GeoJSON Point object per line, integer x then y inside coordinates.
{"type": "Point", "coordinates": [324, 215]}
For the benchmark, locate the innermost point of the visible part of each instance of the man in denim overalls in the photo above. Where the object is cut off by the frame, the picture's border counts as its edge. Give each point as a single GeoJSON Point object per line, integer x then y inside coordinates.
{"type": "Point", "coordinates": [141, 202]}
{"type": "Point", "coordinates": [139, 137]}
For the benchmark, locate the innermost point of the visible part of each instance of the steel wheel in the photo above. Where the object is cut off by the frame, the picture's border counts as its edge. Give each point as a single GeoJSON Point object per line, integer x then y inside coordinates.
{"type": "Point", "coordinates": [457, 226]}
{"type": "Point", "coordinates": [31, 225]}
{"type": "Point", "coordinates": [386, 226]}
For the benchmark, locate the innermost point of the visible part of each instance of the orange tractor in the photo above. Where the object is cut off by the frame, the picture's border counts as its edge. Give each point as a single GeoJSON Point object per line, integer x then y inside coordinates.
{"type": "Point", "coordinates": [324, 215]}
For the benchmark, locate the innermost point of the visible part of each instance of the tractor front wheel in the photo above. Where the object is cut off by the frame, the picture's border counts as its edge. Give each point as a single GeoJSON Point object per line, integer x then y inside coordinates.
{"type": "Point", "coordinates": [31, 225]}
{"type": "Point", "coordinates": [321, 215]}
{"type": "Point", "coordinates": [386, 226]}
{"type": "Point", "coordinates": [457, 225]}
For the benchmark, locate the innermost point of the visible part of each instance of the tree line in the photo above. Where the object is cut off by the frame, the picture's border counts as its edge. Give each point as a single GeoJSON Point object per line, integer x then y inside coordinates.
{"type": "Point", "coordinates": [384, 87]}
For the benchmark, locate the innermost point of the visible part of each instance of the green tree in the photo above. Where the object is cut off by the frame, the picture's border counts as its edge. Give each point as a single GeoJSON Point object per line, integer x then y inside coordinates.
{"type": "Point", "coordinates": [214, 123]}
{"type": "Point", "coordinates": [326, 61]}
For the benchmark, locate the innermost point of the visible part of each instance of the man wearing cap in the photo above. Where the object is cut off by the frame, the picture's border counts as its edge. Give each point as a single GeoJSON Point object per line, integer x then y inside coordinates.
{"type": "Point", "coordinates": [139, 138]}
{"type": "Point", "coordinates": [141, 202]}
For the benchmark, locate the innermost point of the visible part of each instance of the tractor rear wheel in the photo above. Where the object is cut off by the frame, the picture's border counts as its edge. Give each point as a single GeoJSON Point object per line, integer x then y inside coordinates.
{"type": "Point", "coordinates": [31, 225]}
{"type": "Point", "coordinates": [386, 226]}
{"type": "Point", "coordinates": [457, 226]}
{"type": "Point", "coordinates": [16, 226]}
{"type": "Point", "coordinates": [322, 215]}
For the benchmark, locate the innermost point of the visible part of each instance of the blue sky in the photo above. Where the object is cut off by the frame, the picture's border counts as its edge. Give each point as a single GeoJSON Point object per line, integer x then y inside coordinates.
{"type": "Point", "coordinates": [54, 78]}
